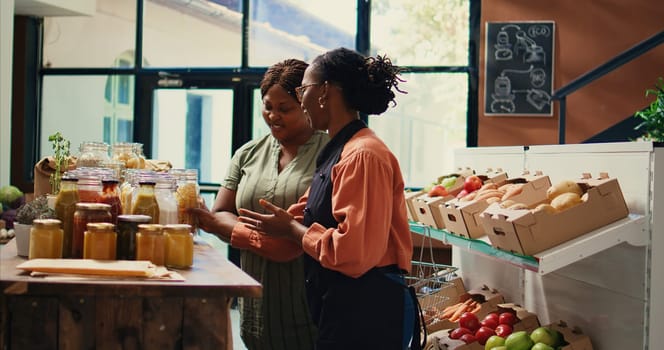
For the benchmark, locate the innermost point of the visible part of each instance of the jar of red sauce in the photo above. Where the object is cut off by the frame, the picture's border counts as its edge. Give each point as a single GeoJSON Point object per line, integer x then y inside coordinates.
{"type": "Point", "coordinates": [87, 213]}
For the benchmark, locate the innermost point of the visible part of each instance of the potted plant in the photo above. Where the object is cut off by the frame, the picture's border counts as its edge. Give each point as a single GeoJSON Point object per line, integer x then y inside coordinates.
{"type": "Point", "coordinates": [25, 214]}
{"type": "Point", "coordinates": [61, 153]}
{"type": "Point", "coordinates": [653, 115]}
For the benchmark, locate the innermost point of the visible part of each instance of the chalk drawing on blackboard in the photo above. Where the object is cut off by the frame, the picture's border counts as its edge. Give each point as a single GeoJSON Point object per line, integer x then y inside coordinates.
{"type": "Point", "coordinates": [519, 68]}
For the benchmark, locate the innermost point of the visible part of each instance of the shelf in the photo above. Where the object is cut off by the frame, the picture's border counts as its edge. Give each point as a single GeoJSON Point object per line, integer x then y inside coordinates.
{"type": "Point", "coordinates": [632, 229]}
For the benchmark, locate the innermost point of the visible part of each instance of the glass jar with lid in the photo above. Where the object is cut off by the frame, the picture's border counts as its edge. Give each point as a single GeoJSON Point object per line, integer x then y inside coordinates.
{"type": "Point", "coordinates": [100, 241]}
{"type": "Point", "coordinates": [65, 206]}
{"type": "Point", "coordinates": [125, 152]}
{"type": "Point", "coordinates": [165, 194]}
{"type": "Point", "coordinates": [138, 149]}
{"type": "Point", "coordinates": [110, 194]}
{"type": "Point", "coordinates": [145, 202]}
{"type": "Point", "coordinates": [150, 243]}
{"type": "Point", "coordinates": [179, 246]}
{"type": "Point", "coordinates": [46, 239]}
{"type": "Point", "coordinates": [127, 229]}
{"type": "Point", "coordinates": [87, 213]}
{"type": "Point", "coordinates": [93, 154]}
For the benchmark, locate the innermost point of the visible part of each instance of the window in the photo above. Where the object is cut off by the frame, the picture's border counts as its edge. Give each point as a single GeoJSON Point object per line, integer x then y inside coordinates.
{"type": "Point", "coordinates": [197, 99]}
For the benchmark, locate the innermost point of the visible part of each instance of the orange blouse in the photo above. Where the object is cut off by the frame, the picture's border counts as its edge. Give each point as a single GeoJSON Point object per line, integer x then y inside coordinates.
{"type": "Point", "coordinates": [368, 202]}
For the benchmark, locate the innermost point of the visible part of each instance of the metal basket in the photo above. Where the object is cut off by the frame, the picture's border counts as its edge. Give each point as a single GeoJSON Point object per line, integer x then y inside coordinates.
{"type": "Point", "coordinates": [429, 278]}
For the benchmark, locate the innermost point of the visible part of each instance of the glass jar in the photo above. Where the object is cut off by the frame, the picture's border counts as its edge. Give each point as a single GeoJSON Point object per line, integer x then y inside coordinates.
{"type": "Point", "coordinates": [187, 197]}
{"type": "Point", "coordinates": [89, 183]}
{"type": "Point", "coordinates": [145, 202]}
{"type": "Point", "coordinates": [93, 154]}
{"type": "Point", "coordinates": [45, 239]}
{"type": "Point", "coordinates": [110, 194]}
{"type": "Point", "coordinates": [65, 206]}
{"type": "Point", "coordinates": [138, 149]}
{"type": "Point", "coordinates": [87, 213]}
{"type": "Point", "coordinates": [150, 244]}
{"type": "Point", "coordinates": [165, 193]}
{"type": "Point", "coordinates": [124, 152]}
{"type": "Point", "coordinates": [100, 241]}
{"type": "Point", "coordinates": [179, 246]}
{"type": "Point", "coordinates": [127, 229]}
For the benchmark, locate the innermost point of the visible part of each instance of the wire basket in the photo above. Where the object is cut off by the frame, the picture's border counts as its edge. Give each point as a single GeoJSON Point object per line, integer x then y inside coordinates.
{"type": "Point", "coordinates": [429, 278]}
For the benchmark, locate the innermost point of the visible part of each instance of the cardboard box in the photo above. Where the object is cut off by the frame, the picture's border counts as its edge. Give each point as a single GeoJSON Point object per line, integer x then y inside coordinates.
{"type": "Point", "coordinates": [527, 233]}
{"type": "Point", "coordinates": [410, 198]}
{"type": "Point", "coordinates": [444, 297]}
{"type": "Point", "coordinates": [487, 297]}
{"type": "Point", "coordinates": [533, 190]}
{"type": "Point", "coordinates": [462, 217]}
{"type": "Point", "coordinates": [426, 208]}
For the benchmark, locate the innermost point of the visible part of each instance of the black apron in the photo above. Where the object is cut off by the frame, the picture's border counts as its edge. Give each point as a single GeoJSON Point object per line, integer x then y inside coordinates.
{"type": "Point", "coordinates": [351, 313]}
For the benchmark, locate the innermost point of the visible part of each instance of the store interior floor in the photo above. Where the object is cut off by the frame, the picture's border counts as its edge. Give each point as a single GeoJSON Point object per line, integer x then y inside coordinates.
{"type": "Point", "coordinates": [222, 247]}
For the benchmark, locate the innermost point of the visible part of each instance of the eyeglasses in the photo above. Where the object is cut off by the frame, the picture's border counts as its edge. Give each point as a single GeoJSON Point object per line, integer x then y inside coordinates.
{"type": "Point", "coordinates": [300, 90]}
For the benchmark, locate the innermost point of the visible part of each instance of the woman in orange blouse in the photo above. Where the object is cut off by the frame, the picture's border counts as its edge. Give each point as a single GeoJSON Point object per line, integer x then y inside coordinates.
{"type": "Point", "coordinates": [351, 223]}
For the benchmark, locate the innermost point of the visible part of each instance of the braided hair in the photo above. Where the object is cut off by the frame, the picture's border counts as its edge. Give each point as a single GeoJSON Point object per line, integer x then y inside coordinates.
{"type": "Point", "coordinates": [366, 82]}
{"type": "Point", "coordinates": [287, 74]}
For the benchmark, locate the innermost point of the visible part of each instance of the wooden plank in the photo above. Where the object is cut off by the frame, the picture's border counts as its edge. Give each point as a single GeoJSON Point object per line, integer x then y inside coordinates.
{"type": "Point", "coordinates": [77, 322]}
{"type": "Point", "coordinates": [162, 323]}
{"type": "Point", "coordinates": [33, 322]}
{"type": "Point", "coordinates": [206, 324]}
{"type": "Point", "coordinates": [119, 323]}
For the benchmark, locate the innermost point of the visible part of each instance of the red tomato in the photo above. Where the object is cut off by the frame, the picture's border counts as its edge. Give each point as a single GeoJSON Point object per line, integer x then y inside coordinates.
{"type": "Point", "coordinates": [472, 183]}
{"type": "Point", "coordinates": [468, 338]}
{"type": "Point", "coordinates": [469, 320]}
{"type": "Point", "coordinates": [503, 330]}
{"type": "Point", "coordinates": [490, 322]}
{"type": "Point", "coordinates": [458, 332]}
{"type": "Point", "coordinates": [483, 334]}
{"type": "Point", "coordinates": [493, 315]}
{"type": "Point", "coordinates": [507, 318]}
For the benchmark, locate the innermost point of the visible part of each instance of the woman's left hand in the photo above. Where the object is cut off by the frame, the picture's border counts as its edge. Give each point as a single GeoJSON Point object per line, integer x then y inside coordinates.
{"type": "Point", "coordinates": [278, 223]}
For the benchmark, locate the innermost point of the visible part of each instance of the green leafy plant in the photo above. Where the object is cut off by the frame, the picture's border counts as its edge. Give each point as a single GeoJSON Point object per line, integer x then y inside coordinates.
{"type": "Point", "coordinates": [35, 209]}
{"type": "Point", "coordinates": [61, 153]}
{"type": "Point", "coordinates": [653, 115]}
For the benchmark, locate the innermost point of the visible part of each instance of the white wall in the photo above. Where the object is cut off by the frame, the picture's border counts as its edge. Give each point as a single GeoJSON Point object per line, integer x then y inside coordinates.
{"type": "Point", "coordinates": [6, 53]}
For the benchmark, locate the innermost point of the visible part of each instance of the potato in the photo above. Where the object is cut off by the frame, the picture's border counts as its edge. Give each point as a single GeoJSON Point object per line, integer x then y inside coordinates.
{"type": "Point", "coordinates": [566, 201]}
{"type": "Point", "coordinates": [545, 207]}
{"type": "Point", "coordinates": [517, 206]}
{"type": "Point", "coordinates": [564, 186]}
{"type": "Point", "coordinates": [507, 203]}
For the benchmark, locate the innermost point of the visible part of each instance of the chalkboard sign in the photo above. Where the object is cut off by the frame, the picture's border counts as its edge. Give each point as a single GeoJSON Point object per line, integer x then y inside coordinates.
{"type": "Point", "coordinates": [519, 68]}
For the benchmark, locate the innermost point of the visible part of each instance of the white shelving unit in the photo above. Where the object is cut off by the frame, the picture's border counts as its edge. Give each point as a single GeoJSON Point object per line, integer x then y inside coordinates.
{"type": "Point", "coordinates": [609, 282]}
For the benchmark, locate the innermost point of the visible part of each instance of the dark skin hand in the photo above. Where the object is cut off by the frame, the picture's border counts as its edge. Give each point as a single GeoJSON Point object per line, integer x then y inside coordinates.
{"type": "Point", "coordinates": [221, 219]}
{"type": "Point", "coordinates": [277, 224]}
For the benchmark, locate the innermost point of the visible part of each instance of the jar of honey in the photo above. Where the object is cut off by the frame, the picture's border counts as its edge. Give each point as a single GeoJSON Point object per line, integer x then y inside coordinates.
{"type": "Point", "coordinates": [179, 246]}
{"type": "Point", "coordinates": [100, 241]}
{"type": "Point", "coordinates": [45, 239]}
{"type": "Point", "coordinates": [127, 229]}
{"type": "Point", "coordinates": [150, 243]}
{"type": "Point", "coordinates": [86, 213]}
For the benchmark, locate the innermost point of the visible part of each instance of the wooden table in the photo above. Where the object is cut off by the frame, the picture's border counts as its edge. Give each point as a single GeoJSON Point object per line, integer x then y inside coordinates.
{"type": "Point", "coordinates": [37, 313]}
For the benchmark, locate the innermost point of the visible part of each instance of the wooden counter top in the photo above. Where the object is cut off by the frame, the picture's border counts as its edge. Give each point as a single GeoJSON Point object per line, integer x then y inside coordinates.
{"type": "Point", "coordinates": [211, 274]}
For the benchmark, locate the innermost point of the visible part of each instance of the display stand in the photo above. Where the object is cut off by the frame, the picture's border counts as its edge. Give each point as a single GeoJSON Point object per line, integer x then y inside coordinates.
{"type": "Point", "coordinates": [608, 282]}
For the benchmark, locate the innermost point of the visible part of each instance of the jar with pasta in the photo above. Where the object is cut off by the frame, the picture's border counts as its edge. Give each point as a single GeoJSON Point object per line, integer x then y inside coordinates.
{"type": "Point", "coordinates": [124, 152]}
{"type": "Point", "coordinates": [93, 154]}
{"type": "Point", "coordinates": [187, 197]}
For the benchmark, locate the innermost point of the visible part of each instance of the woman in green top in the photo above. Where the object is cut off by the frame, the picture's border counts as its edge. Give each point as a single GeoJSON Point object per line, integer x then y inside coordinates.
{"type": "Point", "coordinates": [279, 168]}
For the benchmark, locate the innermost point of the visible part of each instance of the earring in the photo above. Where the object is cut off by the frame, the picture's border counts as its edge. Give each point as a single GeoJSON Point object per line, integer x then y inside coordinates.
{"type": "Point", "coordinates": [321, 102]}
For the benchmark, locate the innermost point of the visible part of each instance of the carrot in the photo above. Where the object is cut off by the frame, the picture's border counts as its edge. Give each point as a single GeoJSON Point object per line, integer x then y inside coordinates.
{"type": "Point", "coordinates": [449, 311]}
{"type": "Point", "coordinates": [477, 308]}
{"type": "Point", "coordinates": [457, 314]}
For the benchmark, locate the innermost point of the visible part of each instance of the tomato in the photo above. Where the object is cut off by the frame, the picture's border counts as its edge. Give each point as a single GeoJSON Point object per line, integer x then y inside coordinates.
{"type": "Point", "coordinates": [483, 334]}
{"type": "Point", "coordinates": [472, 183]}
{"type": "Point", "coordinates": [468, 338]}
{"type": "Point", "coordinates": [458, 332]}
{"type": "Point", "coordinates": [491, 322]}
{"type": "Point", "coordinates": [507, 318]}
{"type": "Point", "coordinates": [469, 320]}
{"type": "Point", "coordinates": [493, 315]}
{"type": "Point", "coordinates": [503, 330]}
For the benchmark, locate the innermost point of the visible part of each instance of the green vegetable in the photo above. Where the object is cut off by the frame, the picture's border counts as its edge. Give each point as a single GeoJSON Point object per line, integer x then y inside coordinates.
{"type": "Point", "coordinates": [9, 194]}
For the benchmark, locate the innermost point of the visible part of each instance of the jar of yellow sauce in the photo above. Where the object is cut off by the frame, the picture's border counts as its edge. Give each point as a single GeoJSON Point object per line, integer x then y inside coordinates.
{"type": "Point", "coordinates": [179, 246]}
{"type": "Point", "coordinates": [145, 202]}
{"type": "Point", "coordinates": [150, 243]}
{"type": "Point", "coordinates": [46, 239]}
{"type": "Point", "coordinates": [100, 241]}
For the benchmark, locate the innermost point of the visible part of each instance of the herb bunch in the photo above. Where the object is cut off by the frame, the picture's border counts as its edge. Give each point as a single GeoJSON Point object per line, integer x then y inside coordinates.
{"type": "Point", "coordinates": [653, 115]}
{"type": "Point", "coordinates": [60, 147]}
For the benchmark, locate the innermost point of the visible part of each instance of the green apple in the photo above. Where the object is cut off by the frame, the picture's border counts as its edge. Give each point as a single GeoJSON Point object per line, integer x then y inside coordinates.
{"type": "Point", "coordinates": [502, 347]}
{"type": "Point", "coordinates": [448, 181]}
{"type": "Point", "coordinates": [546, 335]}
{"type": "Point", "coordinates": [494, 341]}
{"type": "Point", "coordinates": [519, 341]}
{"type": "Point", "coordinates": [541, 346]}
